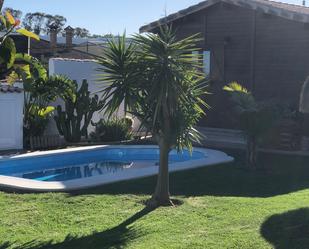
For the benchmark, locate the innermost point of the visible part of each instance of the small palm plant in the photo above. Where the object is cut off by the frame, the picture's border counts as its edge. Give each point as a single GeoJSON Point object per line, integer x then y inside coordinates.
{"type": "Point", "coordinates": [255, 118]}
{"type": "Point", "coordinates": [160, 81]}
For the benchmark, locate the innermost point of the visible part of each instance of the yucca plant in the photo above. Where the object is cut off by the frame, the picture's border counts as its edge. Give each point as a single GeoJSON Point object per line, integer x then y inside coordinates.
{"type": "Point", "coordinates": [255, 118]}
{"type": "Point", "coordinates": [161, 82]}
{"type": "Point", "coordinates": [119, 74]}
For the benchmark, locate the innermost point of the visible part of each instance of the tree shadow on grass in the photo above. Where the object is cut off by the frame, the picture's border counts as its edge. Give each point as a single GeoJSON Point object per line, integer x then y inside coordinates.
{"type": "Point", "coordinates": [288, 230]}
{"type": "Point", "coordinates": [116, 237]}
{"type": "Point", "coordinates": [281, 175]}
{"type": "Point", "coordinates": [5, 245]}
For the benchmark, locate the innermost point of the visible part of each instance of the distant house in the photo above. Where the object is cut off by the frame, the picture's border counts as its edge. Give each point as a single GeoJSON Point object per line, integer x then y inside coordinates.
{"type": "Point", "coordinates": [66, 46]}
{"type": "Point", "coordinates": [262, 44]}
{"type": "Point", "coordinates": [55, 46]}
{"type": "Point", "coordinates": [52, 45]}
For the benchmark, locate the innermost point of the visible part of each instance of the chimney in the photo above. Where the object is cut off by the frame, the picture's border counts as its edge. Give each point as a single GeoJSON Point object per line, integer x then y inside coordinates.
{"type": "Point", "coordinates": [69, 33]}
{"type": "Point", "coordinates": [53, 30]}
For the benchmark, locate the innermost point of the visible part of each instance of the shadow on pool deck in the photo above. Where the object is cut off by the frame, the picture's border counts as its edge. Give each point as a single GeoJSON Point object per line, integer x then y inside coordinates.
{"type": "Point", "coordinates": [288, 230]}
{"type": "Point", "coordinates": [281, 175]}
{"type": "Point", "coordinates": [116, 237]}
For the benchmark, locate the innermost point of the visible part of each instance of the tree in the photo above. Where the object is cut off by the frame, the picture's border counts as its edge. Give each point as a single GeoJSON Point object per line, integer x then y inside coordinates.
{"type": "Point", "coordinates": [81, 32]}
{"type": "Point", "coordinates": [35, 22]}
{"type": "Point", "coordinates": [40, 22]}
{"type": "Point", "coordinates": [57, 20]}
{"type": "Point", "coordinates": [104, 36]}
{"type": "Point", "coordinates": [255, 118]}
{"type": "Point", "coordinates": [161, 82]}
{"type": "Point", "coordinates": [96, 36]}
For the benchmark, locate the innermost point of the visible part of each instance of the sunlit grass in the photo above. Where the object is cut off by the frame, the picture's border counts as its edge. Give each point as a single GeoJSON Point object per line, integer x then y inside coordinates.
{"type": "Point", "coordinates": [223, 207]}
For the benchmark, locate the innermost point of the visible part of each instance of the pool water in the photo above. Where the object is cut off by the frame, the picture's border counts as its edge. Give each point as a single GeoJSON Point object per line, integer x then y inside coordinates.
{"type": "Point", "coordinates": [86, 164]}
{"type": "Point", "coordinates": [76, 172]}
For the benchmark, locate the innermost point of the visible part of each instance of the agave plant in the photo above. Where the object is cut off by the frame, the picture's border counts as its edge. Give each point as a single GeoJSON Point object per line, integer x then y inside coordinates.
{"type": "Point", "coordinates": [161, 81]}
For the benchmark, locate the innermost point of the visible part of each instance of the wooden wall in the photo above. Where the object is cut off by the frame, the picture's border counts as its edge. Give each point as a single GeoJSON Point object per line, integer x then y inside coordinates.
{"type": "Point", "coordinates": [281, 61]}
{"type": "Point", "coordinates": [267, 54]}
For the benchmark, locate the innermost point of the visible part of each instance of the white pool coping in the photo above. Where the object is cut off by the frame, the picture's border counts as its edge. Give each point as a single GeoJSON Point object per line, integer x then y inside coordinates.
{"type": "Point", "coordinates": [212, 157]}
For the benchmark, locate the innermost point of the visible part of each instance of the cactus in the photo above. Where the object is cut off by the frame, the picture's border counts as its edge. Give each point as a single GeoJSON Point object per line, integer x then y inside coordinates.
{"type": "Point", "coordinates": [73, 122]}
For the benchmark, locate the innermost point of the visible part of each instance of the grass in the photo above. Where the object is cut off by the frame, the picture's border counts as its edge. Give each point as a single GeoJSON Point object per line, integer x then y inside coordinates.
{"type": "Point", "coordinates": [224, 206]}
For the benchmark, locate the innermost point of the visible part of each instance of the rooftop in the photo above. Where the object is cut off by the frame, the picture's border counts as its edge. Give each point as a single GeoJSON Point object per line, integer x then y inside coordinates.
{"type": "Point", "coordinates": [4, 88]}
{"type": "Point", "coordinates": [289, 11]}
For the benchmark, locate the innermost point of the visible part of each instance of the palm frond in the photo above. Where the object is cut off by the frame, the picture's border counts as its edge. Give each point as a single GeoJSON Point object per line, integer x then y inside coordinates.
{"type": "Point", "coordinates": [160, 79]}
{"type": "Point", "coordinates": [235, 87]}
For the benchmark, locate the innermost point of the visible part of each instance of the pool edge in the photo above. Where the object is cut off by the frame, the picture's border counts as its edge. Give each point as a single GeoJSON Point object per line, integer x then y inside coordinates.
{"type": "Point", "coordinates": [27, 185]}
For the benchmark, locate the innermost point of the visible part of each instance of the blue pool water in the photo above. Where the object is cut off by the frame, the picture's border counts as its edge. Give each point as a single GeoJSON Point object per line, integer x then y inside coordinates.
{"type": "Point", "coordinates": [89, 163]}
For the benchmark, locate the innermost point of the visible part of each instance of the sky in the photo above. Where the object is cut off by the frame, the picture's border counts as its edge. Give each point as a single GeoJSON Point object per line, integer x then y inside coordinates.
{"type": "Point", "coordinates": [108, 16]}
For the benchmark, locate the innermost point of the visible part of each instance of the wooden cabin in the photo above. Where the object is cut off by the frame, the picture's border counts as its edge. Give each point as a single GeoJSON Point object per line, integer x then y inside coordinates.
{"type": "Point", "coordinates": [261, 44]}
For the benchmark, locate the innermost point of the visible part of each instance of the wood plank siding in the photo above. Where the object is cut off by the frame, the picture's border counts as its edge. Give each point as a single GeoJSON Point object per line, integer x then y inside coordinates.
{"type": "Point", "coordinates": [266, 53]}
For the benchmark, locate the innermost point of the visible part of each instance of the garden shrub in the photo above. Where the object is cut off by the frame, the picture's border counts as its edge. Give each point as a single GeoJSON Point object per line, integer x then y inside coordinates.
{"type": "Point", "coordinates": [112, 130]}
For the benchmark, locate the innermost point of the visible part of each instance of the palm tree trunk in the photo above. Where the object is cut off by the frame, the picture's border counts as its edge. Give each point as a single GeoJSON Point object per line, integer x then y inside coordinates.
{"type": "Point", "coordinates": [252, 152]}
{"type": "Point", "coordinates": [161, 196]}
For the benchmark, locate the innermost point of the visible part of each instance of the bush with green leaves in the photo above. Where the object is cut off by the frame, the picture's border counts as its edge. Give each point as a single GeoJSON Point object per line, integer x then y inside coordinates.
{"type": "Point", "coordinates": [8, 53]}
{"type": "Point", "coordinates": [111, 130]}
{"type": "Point", "coordinates": [38, 96]}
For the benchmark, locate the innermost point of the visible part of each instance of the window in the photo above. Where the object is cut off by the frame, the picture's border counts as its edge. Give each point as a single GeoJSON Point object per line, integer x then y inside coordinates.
{"type": "Point", "coordinates": [196, 57]}
{"type": "Point", "coordinates": [206, 61]}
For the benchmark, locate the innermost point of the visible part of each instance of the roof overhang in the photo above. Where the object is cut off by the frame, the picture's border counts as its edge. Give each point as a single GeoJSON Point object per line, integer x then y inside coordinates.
{"type": "Point", "coordinates": [258, 5]}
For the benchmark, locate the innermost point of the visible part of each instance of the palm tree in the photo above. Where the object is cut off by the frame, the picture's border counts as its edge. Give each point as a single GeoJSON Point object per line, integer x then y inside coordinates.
{"type": "Point", "coordinates": [118, 72]}
{"type": "Point", "coordinates": [256, 118]}
{"type": "Point", "coordinates": [161, 82]}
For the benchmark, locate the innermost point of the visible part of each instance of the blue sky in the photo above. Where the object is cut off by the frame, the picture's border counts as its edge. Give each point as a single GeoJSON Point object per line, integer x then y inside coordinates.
{"type": "Point", "coordinates": [108, 16]}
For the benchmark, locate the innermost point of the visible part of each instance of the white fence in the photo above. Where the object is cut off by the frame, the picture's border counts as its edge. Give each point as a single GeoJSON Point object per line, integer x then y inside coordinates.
{"type": "Point", "coordinates": [11, 120]}
{"type": "Point", "coordinates": [78, 70]}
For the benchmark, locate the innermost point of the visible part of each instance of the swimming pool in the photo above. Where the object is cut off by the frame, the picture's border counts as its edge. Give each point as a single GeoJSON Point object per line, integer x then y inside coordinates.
{"type": "Point", "coordinates": [72, 169]}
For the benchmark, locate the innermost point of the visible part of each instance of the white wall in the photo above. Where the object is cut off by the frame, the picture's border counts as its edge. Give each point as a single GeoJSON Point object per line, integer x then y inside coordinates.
{"type": "Point", "coordinates": [11, 121]}
{"type": "Point", "coordinates": [78, 70]}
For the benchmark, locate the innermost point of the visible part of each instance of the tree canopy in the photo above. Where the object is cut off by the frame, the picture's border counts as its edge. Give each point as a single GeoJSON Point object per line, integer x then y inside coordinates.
{"type": "Point", "coordinates": [161, 82]}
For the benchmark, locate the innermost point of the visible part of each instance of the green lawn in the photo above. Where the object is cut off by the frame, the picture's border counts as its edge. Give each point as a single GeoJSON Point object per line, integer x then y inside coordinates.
{"type": "Point", "coordinates": [223, 207]}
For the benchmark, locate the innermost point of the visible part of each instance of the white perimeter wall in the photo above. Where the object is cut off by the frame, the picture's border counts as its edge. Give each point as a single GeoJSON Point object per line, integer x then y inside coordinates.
{"type": "Point", "coordinates": [11, 121]}
{"type": "Point", "coordinates": [78, 70]}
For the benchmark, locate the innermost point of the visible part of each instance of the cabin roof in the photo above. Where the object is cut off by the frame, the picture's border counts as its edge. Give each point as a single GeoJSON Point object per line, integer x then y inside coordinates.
{"type": "Point", "coordinates": [288, 11]}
